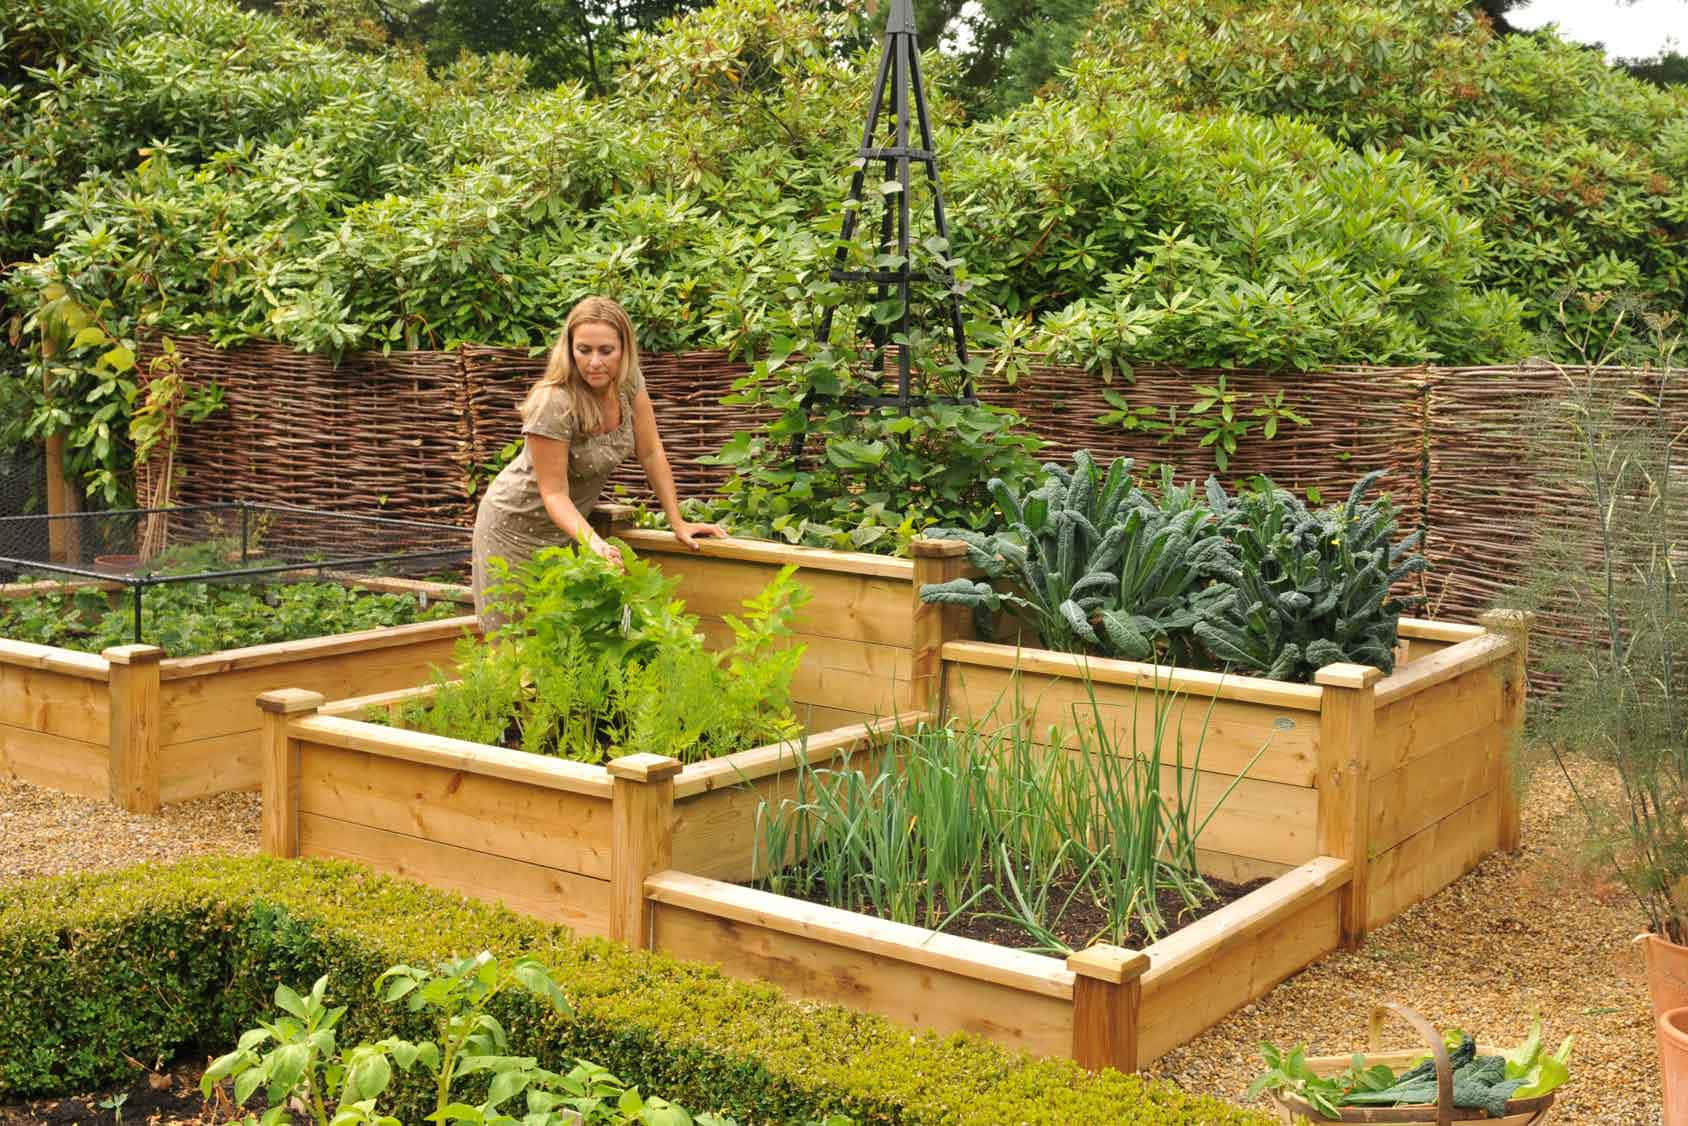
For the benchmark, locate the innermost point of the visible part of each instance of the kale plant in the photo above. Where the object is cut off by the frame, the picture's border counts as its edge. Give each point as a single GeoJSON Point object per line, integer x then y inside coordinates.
{"type": "Point", "coordinates": [1310, 588]}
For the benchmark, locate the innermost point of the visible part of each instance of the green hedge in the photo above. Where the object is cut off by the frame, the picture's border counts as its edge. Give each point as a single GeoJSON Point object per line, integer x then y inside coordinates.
{"type": "Point", "coordinates": [156, 961]}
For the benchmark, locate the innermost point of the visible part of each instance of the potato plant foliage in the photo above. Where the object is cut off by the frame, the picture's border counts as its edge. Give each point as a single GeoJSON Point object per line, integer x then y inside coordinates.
{"type": "Point", "coordinates": [1226, 185]}
{"type": "Point", "coordinates": [595, 662]}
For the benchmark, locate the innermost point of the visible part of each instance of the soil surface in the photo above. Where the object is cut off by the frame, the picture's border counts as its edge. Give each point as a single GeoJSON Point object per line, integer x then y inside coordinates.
{"type": "Point", "coordinates": [168, 1097]}
{"type": "Point", "coordinates": [1076, 918]}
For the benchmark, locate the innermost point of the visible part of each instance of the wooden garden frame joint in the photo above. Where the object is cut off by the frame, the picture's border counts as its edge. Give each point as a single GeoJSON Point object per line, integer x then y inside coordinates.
{"type": "Point", "coordinates": [1347, 725]}
{"type": "Point", "coordinates": [641, 840]}
{"type": "Point", "coordinates": [278, 754]}
{"type": "Point", "coordinates": [1515, 625]}
{"type": "Point", "coordinates": [136, 727]}
{"type": "Point", "coordinates": [1107, 998]}
{"type": "Point", "coordinates": [935, 624]}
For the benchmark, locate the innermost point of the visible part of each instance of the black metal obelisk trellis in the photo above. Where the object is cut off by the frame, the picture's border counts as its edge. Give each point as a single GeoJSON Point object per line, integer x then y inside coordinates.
{"type": "Point", "coordinates": [898, 83]}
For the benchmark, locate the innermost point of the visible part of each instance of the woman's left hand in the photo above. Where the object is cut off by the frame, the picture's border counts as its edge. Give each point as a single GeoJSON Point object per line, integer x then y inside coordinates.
{"type": "Point", "coordinates": [687, 532]}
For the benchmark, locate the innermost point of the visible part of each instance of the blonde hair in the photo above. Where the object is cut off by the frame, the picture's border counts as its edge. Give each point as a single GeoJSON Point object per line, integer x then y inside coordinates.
{"type": "Point", "coordinates": [562, 376]}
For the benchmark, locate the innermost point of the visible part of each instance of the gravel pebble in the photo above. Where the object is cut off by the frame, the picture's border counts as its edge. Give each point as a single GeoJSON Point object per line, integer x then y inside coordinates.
{"type": "Point", "coordinates": [1532, 932]}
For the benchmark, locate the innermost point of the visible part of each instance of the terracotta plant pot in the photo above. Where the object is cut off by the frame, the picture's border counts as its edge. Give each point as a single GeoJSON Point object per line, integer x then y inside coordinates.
{"type": "Point", "coordinates": [1673, 1064]}
{"type": "Point", "coordinates": [1667, 973]}
{"type": "Point", "coordinates": [117, 564]}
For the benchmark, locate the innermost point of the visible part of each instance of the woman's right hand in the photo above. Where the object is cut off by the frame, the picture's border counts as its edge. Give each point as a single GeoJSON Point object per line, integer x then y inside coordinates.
{"type": "Point", "coordinates": [604, 550]}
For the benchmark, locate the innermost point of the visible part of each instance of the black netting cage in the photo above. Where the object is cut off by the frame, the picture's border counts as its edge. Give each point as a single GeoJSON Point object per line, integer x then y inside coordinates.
{"type": "Point", "coordinates": [127, 552]}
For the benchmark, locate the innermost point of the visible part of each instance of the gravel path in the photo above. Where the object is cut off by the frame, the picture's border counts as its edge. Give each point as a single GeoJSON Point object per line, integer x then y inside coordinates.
{"type": "Point", "coordinates": [46, 833]}
{"type": "Point", "coordinates": [1534, 931]}
{"type": "Point", "coordinates": [1523, 933]}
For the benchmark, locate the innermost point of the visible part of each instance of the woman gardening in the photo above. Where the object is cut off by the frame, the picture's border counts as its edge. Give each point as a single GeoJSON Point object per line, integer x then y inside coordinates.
{"type": "Point", "coordinates": [580, 421]}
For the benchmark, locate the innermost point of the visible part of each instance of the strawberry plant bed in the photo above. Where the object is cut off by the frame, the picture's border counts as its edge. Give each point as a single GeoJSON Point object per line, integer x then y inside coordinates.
{"type": "Point", "coordinates": [140, 726]}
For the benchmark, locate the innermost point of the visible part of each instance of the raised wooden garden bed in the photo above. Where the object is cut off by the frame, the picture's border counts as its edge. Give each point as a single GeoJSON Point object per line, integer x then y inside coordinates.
{"type": "Point", "coordinates": [140, 729]}
{"type": "Point", "coordinates": [1372, 793]}
{"type": "Point", "coordinates": [562, 840]}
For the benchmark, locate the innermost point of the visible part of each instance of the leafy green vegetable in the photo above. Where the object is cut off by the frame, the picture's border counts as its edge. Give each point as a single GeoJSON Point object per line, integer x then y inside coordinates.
{"type": "Point", "coordinates": [596, 662]}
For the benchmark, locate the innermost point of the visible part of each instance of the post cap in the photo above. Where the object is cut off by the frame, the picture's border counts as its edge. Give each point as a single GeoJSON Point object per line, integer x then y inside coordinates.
{"type": "Point", "coordinates": [132, 654]}
{"type": "Point", "coordinates": [290, 701]}
{"type": "Point", "coordinates": [925, 548]}
{"type": "Point", "coordinates": [1113, 964]}
{"type": "Point", "coordinates": [645, 767]}
{"type": "Point", "coordinates": [1345, 675]}
{"type": "Point", "coordinates": [1506, 621]}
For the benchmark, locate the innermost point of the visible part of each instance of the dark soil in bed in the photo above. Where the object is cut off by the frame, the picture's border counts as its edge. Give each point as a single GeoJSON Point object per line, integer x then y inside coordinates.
{"type": "Point", "coordinates": [169, 1097]}
{"type": "Point", "coordinates": [1081, 921]}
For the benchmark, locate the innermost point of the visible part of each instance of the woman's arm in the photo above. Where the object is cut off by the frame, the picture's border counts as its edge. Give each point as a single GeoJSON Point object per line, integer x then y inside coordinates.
{"type": "Point", "coordinates": [551, 468]}
{"type": "Point", "coordinates": [647, 443]}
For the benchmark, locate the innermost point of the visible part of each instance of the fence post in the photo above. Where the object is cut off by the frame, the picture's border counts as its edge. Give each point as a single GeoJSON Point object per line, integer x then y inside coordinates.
{"type": "Point", "coordinates": [134, 743]}
{"type": "Point", "coordinates": [1347, 718]}
{"type": "Point", "coordinates": [641, 839]}
{"type": "Point", "coordinates": [1515, 624]}
{"type": "Point", "coordinates": [935, 561]}
{"type": "Point", "coordinates": [279, 821]}
{"type": "Point", "coordinates": [1107, 994]}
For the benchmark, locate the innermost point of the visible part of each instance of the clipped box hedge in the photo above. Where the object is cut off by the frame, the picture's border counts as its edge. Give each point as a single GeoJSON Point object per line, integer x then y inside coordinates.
{"type": "Point", "coordinates": [153, 962]}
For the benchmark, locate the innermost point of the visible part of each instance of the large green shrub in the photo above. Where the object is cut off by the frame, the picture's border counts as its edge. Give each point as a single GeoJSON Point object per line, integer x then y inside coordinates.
{"type": "Point", "coordinates": [181, 166]}
{"type": "Point", "coordinates": [152, 961]}
{"type": "Point", "coordinates": [1576, 172]}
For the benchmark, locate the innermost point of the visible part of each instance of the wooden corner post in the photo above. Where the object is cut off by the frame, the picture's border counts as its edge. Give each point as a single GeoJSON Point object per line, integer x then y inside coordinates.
{"type": "Point", "coordinates": [1347, 719]}
{"type": "Point", "coordinates": [935, 561]}
{"type": "Point", "coordinates": [611, 519]}
{"type": "Point", "coordinates": [641, 840]}
{"type": "Point", "coordinates": [1516, 625]}
{"type": "Point", "coordinates": [135, 726]}
{"type": "Point", "coordinates": [279, 752]}
{"type": "Point", "coordinates": [1107, 994]}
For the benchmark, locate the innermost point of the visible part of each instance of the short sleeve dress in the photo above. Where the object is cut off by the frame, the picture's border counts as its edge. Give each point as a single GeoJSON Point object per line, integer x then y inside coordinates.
{"type": "Point", "coordinates": [511, 522]}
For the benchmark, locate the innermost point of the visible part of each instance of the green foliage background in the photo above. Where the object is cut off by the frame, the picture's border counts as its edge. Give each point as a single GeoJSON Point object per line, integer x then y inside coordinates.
{"type": "Point", "coordinates": [1282, 185]}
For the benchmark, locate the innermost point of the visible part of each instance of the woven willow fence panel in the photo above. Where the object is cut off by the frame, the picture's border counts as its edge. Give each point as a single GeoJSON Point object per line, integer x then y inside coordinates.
{"type": "Point", "coordinates": [374, 434]}
{"type": "Point", "coordinates": [408, 433]}
{"type": "Point", "coordinates": [1509, 481]}
{"type": "Point", "coordinates": [1358, 420]}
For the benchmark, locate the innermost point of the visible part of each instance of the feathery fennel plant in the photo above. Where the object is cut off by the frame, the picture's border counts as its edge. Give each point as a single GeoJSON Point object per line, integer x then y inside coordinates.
{"type": "Point", "coordinates": [1607, 563]}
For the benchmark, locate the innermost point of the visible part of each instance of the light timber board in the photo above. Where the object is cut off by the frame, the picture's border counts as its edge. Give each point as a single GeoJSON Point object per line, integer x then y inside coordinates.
{"type": "Point", "coordinates": [72, 766]}
{"type": "Point", "coordinates": [28, 655]}
{"type": "Point", "coordinates": [579, 902]}
{"type": "Point", "coordinates": [867, 680]}
{"type": "Point", "coordinates": [221, 702]}
{"type": "Point", "coordinates": [1431, 786]}
{"type": "Point", "coordinates": [848, 607]}
{"type": "Point", "coordinates": [1433, 858]}
{"type": "Point", "coordinates": [1448, 664]}
{"type": "Point", "coordinates": [675, 557]}
{"type": "Point", "coordinates": [1104, 670]}
{"type": "Point", "coordinates": [912, 995]}
{"type": "Point", "coordinates": [1229, 733]}
{"type": "Point", "coordinates": [1175, 1011]}
{"type": "Point", "coordinates": [200, 767]}
{"type": "Point", "coordinates": [55, 703]}
{"type": "Point", "coordinates": [446, 631]}
{"type": "Point", "coordinates": [1424, 721]}
{"type": "Point", "coordinates": [550, 828]}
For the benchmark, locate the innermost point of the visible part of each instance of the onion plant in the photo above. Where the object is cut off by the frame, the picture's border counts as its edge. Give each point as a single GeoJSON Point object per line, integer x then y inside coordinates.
{"type": "Point", "coordinates": [1000, 820]}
